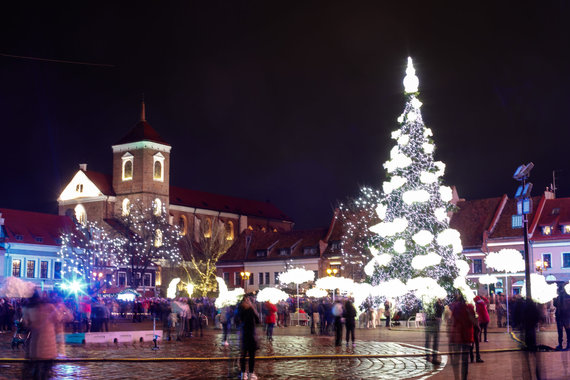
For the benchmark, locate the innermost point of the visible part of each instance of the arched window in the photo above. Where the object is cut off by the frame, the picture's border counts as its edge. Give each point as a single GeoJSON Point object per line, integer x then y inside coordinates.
{"type": "Point", "coordinates": [208, 228]}
{"type": "Point", "coordinates": [126, 207]}
{"type": "Point", "coordinates": [183, 225]}
{"type": "Point", "coordinates": [127, 166]}
{"type": "Point", "coordinates": [158, 238]}
{"type": "Point", "coordinates": [230, 230]}
{"type": "Point", "coordinates": [157, 207]}
{"type": "Point", "coordinates": [158, 167]}
{"type": "Point", "coordinates": [80, 214]}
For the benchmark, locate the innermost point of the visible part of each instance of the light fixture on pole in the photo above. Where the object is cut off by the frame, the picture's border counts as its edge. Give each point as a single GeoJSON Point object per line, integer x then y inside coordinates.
{"type": "Point", "coordinates": [541, 265]}
{"type": "Point", "coordinates": [245, 278]}
{"type": "Point", "coordinates": [524, 207]}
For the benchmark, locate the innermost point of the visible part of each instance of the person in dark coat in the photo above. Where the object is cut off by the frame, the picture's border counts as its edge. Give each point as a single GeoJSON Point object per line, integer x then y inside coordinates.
{"type": "Point", "coordinates": [349, 320]}
{"type": "Point", "coordinates": [248, 318]}
{"type": "Point", "coordinates": [337, 313]}
{"type": "Point", "coordinates": [562, 314]}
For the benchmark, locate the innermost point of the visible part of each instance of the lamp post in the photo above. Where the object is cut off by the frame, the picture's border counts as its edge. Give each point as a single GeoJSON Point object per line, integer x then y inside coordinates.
{"type": "Point", "coordinates": [332, 273]}
{"type": "Point", "coordinates": [245, 278]}
{"type": "Point", "coordinates": [524, 207]}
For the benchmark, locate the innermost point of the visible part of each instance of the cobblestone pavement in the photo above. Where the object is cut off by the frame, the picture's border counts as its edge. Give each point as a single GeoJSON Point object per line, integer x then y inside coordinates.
{"type": "Point", "coordinates": [333, 363]}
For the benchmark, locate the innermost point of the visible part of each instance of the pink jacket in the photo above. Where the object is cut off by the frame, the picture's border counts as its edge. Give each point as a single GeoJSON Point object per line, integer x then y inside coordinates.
{"type": "Point", "coordinates": [481, 307]}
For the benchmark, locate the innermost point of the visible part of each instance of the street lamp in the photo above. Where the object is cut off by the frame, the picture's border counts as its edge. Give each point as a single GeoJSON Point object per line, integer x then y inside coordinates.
{"type": "Point", "coordinates": [332, 272]}
{"type": "Point", "coordinates": [524, 206]}
{"type": "Point", "coordinates": [245, 278]}
{"type": "Point", "coordinates": [541, 265]}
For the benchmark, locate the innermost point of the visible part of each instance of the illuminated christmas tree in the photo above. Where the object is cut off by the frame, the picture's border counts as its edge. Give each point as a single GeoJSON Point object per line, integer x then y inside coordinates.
{"type": "Point", "coordinates": [414, 243]}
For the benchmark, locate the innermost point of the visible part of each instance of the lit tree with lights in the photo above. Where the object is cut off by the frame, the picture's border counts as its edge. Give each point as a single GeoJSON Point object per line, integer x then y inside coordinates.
{"type": "Point", "coordinates": [83, 250]}
{"type": "Point", "coordinates": [210, 244]}
{"type": "Point", "coordinates": [413, 240]}
{"type": "Point", "coordinates": [143, 237]}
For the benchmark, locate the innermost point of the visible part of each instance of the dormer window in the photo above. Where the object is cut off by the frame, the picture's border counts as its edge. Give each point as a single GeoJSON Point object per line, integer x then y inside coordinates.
{"type": "Point", "coordinates": [284, 252]}
{"type": "Point", "coordinates": [547, 230]}
{"type": "Point", "coordinates": [261, 253]}
{"type": "Point", "coordinates": [127, 166]}
{"type": "Point", "coordinates": [566, 229]}
{"type": "Point", "coordinates": [309, 250]}
{"type": "Point", "coordinates": [158, 167]}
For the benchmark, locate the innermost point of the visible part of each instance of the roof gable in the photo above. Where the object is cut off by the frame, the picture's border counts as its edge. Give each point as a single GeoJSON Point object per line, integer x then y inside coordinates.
{"type": "Point", "coordinates": [84, 185]}
{"type": "Point", "coordinates": [472, 219]}
{"type": "Point", "coordinates": [34, 228]}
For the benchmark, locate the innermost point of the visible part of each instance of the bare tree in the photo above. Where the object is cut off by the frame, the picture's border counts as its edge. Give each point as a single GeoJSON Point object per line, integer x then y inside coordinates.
{"type": "Point", "coordinates": [205, 248]}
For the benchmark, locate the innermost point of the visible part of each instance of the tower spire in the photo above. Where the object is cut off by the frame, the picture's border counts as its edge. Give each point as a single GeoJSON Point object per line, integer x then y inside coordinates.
{"type": "Point", "coordinates": [411, 81]}
{"type": "Point", "coordinates": [143, 110]}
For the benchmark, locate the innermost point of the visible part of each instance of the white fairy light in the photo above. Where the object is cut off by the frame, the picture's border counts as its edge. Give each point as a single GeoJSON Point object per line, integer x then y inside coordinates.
{"type": "Point", "coordinates": [505, 260]}
{"type": "Point", "coordinates": [440, 168]}
{"type": "Point", "coordinates": [385, 229]}
{"type": "Point", "coordinates": [420, 262]}
{"type": "Point", "coordinates": [403, 140]}
{"type": "Point", "coordinates": [541, 291]}
{"type": "Point", "coordinates": [428, 132]}
{"type": "Point", "coordinates": [400, 246]}
{"type": "Point", "coordinates": [441, 214]}
{"type": "Point", "coordinates": [428, 148]}
{"type": "Point", "coordinates": [272, 295]}
{"type": "Point", "coordinates": [415, 196]}
{"type": "Point", "coordinates": [488, 279]}
{"type": "Point", "coordinates": [428, 178]}
{"type": "Point", "coordinates": [396, 134]}
{"type": "Point", "coordinates": [451, 237]}
{"type": "Point", "coordinates": [423, 237]}
{"type": "Point", "coordinates": [416, 103]}
{"type": "Point", "coordinates": [463, 267]}
{"type": "Point", "coordinates": [316, 293]}
{"type": "Point", "coordinates": [400, 119]}
{"type": "Point", "coordinates": [381, 210]}
{"type": "Point", "coordinates": [445, 193]}
{"type": "Point", "coordinates": [296, 276]}
{"type": "Point", "coordinates": [172, 286]}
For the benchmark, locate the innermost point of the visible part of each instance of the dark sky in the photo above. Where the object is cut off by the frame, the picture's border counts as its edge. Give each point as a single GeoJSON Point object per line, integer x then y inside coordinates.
{"type": "Point", "coordinates": [291, 102]}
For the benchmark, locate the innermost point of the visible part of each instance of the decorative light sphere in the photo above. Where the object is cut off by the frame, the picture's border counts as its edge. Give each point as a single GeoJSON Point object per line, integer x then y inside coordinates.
{"type": "Point", "coordinates": [272, 295]}
{"type": "Point", "coordinates": [316, 293]}
{"type": "Point", "coordinates": [423, 237]}
{"type": "Point", "coordinates": [445, 193]}
{"type": "Point", "coordinates": [428, 148]}
{"type": "Point", "coordinates": [428, 178]}
{"type": "Point", "coordinates": [400, 246]}
{"type": "Point", "coordinates": [296, 276]}
{"type": "Point", "coordinates": [415, 196]}
{"type": "Point", "coordinates": [506, 260]}
{"type": "Point", "coordinates": [420, 262]}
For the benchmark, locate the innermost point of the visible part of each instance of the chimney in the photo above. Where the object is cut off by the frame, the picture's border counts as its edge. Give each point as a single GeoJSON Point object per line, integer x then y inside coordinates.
{"type": "Point", "coordinates": [83, 167]}
{"type": "Point", "coordinates": [549, 194]}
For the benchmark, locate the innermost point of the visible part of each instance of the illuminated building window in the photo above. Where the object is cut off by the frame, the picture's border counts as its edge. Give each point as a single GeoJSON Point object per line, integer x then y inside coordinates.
{"type": "Point", "coordinates": [547, 230]}
{"type": "Point", "coordinates": [157, 207]}
{"type": "Point", "coordinates": [183, 225]}
{"type": "Point", "coordinates": [230, 230]}
{"type": "Point", "coordinates": [30, 269]}
{"type": "Point", "coordinates": [126, 207]}
{"type": "Point", "coordinates": [80, 214]}
{"type": "Point", "coordinates": [16, 268]}
{"type": "Point", "coordinates": [127, 166]}
{"type": "Point", "coordinates": [43, 269]}
{"type": "Point", "coordinates": [208, 228]}
{"type": "Point", "coordinates": [79, 188]}
{"type": "Point", "coordinates": [158, 238]}
{"type": "Point", "coordinates": [263, 229]}
{"type": "Point", "coordinates": [158, 166]}
{"type": "Point", "coordinates": [250, 228]}
{"type": "Point", "coordinates": [566, 229]}
{"type": "Point", "coordinates": [122, 279]}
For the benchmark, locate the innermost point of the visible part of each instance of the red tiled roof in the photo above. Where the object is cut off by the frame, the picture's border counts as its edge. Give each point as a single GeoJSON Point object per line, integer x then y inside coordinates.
{"type": "Point", "coordinates": [103, 182]}
{"type": "Point", "coordinates": [142, 131]}
{"type": "Point", "coordinates": [504, 228]}
{"type": "Point", "coordinates": [224, 203]}
{"type": "Point", "coordinates": [250, 242]}
{"type": "Point", "coordinates": [472, 219]}
{"type": "Point", "coordinates": [34, 227]}
{"type": "Point", "coordinates": [555, 213]}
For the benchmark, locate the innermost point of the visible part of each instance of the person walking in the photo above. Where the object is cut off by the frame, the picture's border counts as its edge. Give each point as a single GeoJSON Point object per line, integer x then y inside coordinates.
{"type": "Point", "coordinates": [337, 313]}
{"type": "Point", "coordinates": [41, 318]}
{"type": "Point", "coordinates": [248, 318]}
{"type": "Point", "coordinates": [270, 319]}
{"type": "Point", "coordinates": [562, 314]}
{"type": "Point", "coordinates": [483, 315]}
{"type": "Point", "coordinates": [460, 336]}
{"type": "Point", "coordinates": [349, 321]}
{"type": "Point", "coordinates": [387, 312]}
{"type": "Point", "coordinates": [432, 332]}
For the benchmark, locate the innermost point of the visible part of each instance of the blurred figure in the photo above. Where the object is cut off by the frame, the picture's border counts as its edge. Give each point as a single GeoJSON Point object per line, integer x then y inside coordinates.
{"type": "Point", "coordinates": [271, 310]}
{"type": "Point", "coordinates": [349, 320]}
{"type": "Point", "coordinates": [527, 321]}
{"type": "Point", "coordinates": [500, 308]}
{"type": "Point", "coordinates": [248, 318]}
{"type": "Point", "coordinates": [562, 314]}
{"type": "Point", "coordinates": [226, 320]}
{"type": "Point", "coordinates": [433, 325]}
{"type": "Point", "coordinates": [41, 318]}
{"type": "Point", "coordinates": [461, 336]}
{"type": "Point", "coordinates": [64, 316]}
{"type": "Point", "coordinates": [483, 315]}
{"type": "Point", "coordinates": [387, 312]}
{"type": "Point", "coordinates": [337, 313]}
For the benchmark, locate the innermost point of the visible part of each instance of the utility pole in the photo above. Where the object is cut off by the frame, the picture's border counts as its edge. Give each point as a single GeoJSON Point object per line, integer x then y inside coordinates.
{"type": "Point", "coordinates": [524, 207]}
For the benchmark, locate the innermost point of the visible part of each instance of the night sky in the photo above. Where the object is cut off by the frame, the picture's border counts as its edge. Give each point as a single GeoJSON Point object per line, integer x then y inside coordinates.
{"type": "Point", "coordinates": [290, 102]}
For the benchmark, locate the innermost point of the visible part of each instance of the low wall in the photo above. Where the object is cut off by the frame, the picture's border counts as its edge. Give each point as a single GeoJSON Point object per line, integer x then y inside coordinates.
{"type": "Point", "coordinates": [111, 337]}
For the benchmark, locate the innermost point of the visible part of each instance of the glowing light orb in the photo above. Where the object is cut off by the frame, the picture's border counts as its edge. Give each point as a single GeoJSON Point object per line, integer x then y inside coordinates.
{"type": "Point", "coordinates": [423, 237]}
{"type": "Point", "coordinates": [172, 287]}
{"type": "Point", "coordinates": [506, 260]}
{"type": "Point", "coordinates": [316, 293]}
{"type": "Point", "coordinates": [421, 262]}
{"type": "Point", "coordinates": [272, 295]}
{"type": "Point", "coordinates": [296, 276]}
{"type": "Point", "coordinates": [411, 81]}
{"type": "Point", "coordinates": [415, 196]}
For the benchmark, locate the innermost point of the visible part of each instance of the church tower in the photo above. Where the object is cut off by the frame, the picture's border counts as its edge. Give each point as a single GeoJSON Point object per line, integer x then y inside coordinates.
{"type": "Point", "coordinates": [141, 167]}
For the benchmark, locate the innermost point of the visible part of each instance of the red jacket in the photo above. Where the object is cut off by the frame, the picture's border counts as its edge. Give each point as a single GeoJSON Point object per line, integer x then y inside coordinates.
{"type": "Point", "coordinates": [271, 310]}
{"type": "Point", "coordinates": [462, 319]}
{"type": "Point", "coordinates": [481, 308]}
